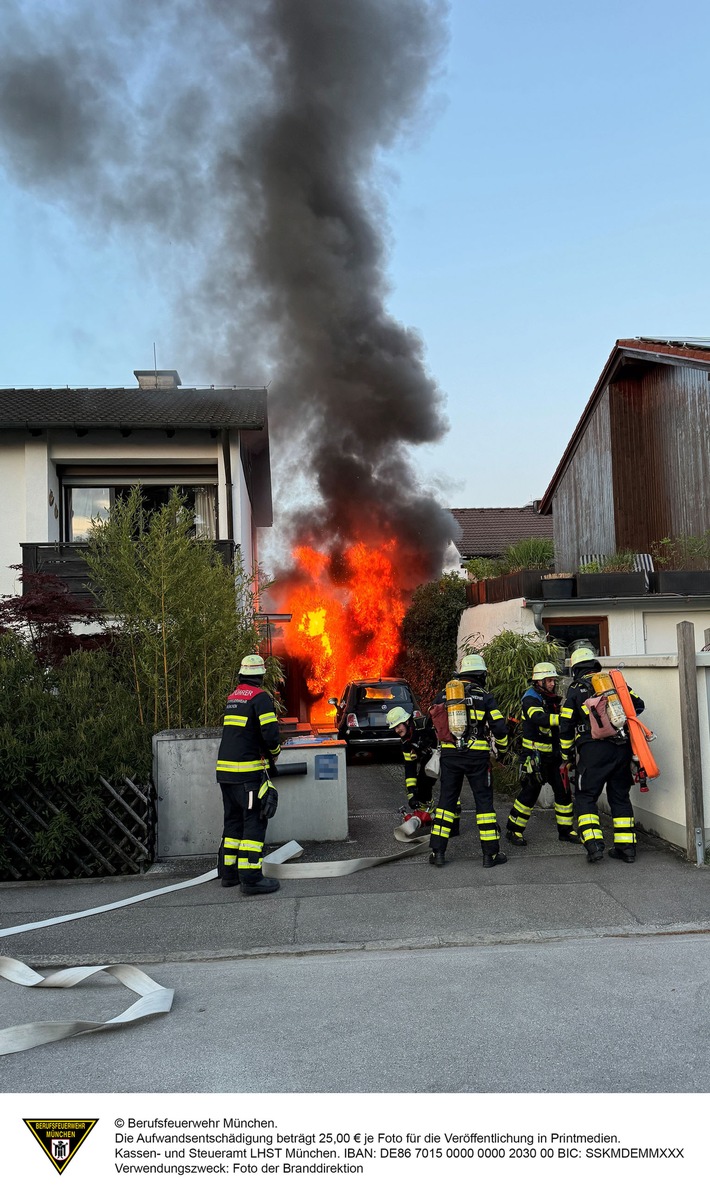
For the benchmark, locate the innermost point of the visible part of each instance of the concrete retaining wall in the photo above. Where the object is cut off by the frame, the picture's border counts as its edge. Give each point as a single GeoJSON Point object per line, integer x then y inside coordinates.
{"type": "Point", "coordinates": [189, 805]}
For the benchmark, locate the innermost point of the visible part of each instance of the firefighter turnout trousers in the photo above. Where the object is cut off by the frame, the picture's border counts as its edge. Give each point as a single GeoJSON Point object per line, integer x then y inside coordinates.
{"type": "Point", "coordinates": [529, 791]}
{"type": "Point", "coordinates": [603, 762]}
{"type": "Point", "coordinates": [419, 786]}
{"type": "Point", "coordinates": [242, 847]}
{"type": "Point", "coordinates": [476, 768]}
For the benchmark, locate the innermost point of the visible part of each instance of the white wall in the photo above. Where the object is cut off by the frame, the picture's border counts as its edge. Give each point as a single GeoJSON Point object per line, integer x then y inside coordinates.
{"type": "Point", "coordinates": [12, 507]}
{"type": "Point", "coordinates": [485, 621]}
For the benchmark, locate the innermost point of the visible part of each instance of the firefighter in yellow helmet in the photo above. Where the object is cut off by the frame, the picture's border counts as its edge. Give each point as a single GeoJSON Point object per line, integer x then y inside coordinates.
{"type": "Point", "coordinates": [250, 742]}
{"type": "Point", "coordinates": [541, 759]}
{"type": "Point", "coordinates": [469, 756]}
{"type": "Point", "coordinates": [601, 762]}
{"type": "Point", "coordinates": [418, 739]}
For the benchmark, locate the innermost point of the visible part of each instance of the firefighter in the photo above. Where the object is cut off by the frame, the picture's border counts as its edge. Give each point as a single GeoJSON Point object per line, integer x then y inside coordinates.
{"type": "Point", "coordinates": [418, 739]}
{"type": "Point", "coordinates": [541, 759]}
{"type": "Point", "coordinates": [600, 762]}
{"type": "Point", "coordinates": [469, 757]}
{"type": "Point", "coordinates": [250, 740]}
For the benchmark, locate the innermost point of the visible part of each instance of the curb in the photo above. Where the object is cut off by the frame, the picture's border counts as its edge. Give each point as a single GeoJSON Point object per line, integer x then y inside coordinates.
{"type": "Point", "coordinates": [434, 943]}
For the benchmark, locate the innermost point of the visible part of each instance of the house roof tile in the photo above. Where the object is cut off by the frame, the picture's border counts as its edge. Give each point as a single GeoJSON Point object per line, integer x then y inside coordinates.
{"type": "Point", "coordinates": [490, 531]}
{"type": "Point", "coordinates": [148, 408]}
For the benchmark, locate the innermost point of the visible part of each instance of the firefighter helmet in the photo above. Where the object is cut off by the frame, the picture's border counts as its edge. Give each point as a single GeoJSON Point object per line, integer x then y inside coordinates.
{"type": "Point", "coordinates": [473, 663]}
{"type": "Point", "coordinates": [544, 671]}
{"type": "Point", "coordinates": [252, 665]}
{"type": "Point", "coordinates": [397, 716]}
{"type": "Point", "coordinates": [583, 655]}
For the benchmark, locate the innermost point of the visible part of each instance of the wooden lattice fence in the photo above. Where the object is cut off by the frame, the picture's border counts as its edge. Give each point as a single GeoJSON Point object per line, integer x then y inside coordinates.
{"type": "Point", "coordinates": [120, 841]}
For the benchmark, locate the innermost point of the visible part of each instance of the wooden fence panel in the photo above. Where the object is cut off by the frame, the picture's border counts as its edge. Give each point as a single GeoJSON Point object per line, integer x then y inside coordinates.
{"type": "Point", "coordinates": [121, 841]}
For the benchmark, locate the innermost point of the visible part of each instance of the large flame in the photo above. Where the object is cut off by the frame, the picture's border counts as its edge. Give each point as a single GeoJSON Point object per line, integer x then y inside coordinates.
{"type": "Point", "coordinates": [346, 630]}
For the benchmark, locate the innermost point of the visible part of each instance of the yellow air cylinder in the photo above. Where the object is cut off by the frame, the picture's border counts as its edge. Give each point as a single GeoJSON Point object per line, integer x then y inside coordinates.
{"type": "Point", "coordinates": [456, 706]}
{"type": "Point", "coordinates": [602, 683]}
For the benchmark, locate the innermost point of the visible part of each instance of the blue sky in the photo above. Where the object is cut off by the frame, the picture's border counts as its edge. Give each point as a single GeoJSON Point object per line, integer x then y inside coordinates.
{"type": "Point", "coordinates": [556, 199]}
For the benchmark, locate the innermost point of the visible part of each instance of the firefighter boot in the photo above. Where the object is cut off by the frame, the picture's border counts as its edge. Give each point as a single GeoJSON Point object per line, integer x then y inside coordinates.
{"type": "Point", "coordinates": [267, 884]}
{"type": "Point", "coordinates": [228, 882]}
{"type": "Point", "coordinates": [437, 858]}
{"type": "Point", "coordinates": [627, 854]}
{"type": "Point", "coordinates": [595, 851]}
{"type": "Point", "coordinates": [492, 861]}
{"type": "Point", "coordinates": [567, 836]}
{"type": "Point", "coordinates": [515, 838]}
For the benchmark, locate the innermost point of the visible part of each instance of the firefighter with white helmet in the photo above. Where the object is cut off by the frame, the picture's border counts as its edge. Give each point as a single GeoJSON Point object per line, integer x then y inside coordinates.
{"type": "Point", "coordinates": [541, 759]}
{"type": "Point", "coordinates": [418, 739]}
{"type": "Point", "coordinates": [466, 752]}
{"type": "Point", "coordinates": [601, 762]}
{"type": "Point", "coordinates": [250, 742]}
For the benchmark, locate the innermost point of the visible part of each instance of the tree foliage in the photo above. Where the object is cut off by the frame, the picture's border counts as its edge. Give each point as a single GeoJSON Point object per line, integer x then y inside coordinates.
{"type": "Point", "coordinates": [184, 619]}
{"type": "Point", "coordinates": [430, 635]}
{"type": "Point", "coordinates": [43, 614]}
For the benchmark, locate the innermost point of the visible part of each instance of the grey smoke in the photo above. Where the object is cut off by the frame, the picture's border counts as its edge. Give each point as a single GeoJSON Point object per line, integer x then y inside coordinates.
{"type": "Point", "coordinates": [254, 132]}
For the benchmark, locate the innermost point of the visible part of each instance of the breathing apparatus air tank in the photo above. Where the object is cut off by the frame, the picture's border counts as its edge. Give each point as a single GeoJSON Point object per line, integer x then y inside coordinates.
{"type": "Point", "coordinates": [603, 685]}
{"type": "Point", "coordinates": [456, 708]}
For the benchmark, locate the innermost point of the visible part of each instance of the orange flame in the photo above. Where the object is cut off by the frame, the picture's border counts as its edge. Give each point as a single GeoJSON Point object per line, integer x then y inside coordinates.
{"type": "Point", "coordinates": [347, 631]}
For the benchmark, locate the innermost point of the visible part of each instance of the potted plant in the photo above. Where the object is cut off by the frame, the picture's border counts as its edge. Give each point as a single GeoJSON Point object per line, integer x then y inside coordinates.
{"type": "Point", "coordinates": [611, 576]}
{"type": "Point", "coordinates": [523, 564]}
{"type": "Point", "coordinates": [558, 586]}
{"type": "Point", "coordinates": [682, 564]}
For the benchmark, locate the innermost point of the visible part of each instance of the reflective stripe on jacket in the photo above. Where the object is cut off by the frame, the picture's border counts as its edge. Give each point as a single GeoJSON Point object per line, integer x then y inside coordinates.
{"type": "Point", "coordinates": [484, 718]}
{"type": "Point", "coordinates": [539, 727]}
{"type": "Point", "coordinates": [250, 733]}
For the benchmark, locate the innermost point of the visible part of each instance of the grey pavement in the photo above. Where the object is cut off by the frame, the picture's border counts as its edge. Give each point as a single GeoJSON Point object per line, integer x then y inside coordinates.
{"type": "Point", "coordinates": [352, 977]}
{"type": "Point", "coordinates": [545, 891]}
{"type": "Point", "coordinates": [580, 1015]}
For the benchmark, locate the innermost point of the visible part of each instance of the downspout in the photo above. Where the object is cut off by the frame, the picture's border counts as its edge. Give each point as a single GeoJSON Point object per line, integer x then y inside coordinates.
{"type": "Point", "coordinates": [537, 608]}
{"type": "Point", "coordinates": [226, 456]}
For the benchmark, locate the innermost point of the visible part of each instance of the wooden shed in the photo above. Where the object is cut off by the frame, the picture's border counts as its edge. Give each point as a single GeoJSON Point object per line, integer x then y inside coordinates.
{"type": "Point", "coordinates": [637, 467]}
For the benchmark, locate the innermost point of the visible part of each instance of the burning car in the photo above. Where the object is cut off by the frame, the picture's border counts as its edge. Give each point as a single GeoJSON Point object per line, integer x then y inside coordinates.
{"type": "Point", "coordinates": [361, 713]}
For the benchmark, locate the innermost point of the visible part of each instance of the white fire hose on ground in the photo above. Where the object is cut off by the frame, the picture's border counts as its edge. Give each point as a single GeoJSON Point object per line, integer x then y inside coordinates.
{"type": "Point", "coordinates": [153, 998]}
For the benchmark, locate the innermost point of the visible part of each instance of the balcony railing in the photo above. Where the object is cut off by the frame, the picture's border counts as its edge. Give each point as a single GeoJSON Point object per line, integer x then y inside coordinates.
{"type": "Point", "coordinates": [66, 561]}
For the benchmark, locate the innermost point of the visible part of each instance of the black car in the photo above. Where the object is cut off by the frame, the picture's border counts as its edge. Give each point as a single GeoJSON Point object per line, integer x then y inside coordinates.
{"type": "Point", "coordinates": [361, 718]}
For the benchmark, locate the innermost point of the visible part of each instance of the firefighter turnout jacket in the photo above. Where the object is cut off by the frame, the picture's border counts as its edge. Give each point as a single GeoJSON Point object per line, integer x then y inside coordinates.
{"type": "Point", "coordinates": [250, 734]}
{"type": "Point", "coordinates": [417, 746]}
{"type": "Point", "coordinates": [575, 724]}
{"type": "Point", "coordinates": [540, 722]}
{"type": "Point", "coordinates": [484, 718]}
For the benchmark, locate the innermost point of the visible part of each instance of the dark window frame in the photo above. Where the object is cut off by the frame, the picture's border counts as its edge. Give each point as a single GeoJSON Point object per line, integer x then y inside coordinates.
{"type": "Point", "coordinates": [602, 624]}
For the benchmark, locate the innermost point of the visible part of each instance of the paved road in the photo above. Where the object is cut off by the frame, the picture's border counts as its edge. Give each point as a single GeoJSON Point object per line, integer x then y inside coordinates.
{"type": "Point", "coordinates": [603, 1015]}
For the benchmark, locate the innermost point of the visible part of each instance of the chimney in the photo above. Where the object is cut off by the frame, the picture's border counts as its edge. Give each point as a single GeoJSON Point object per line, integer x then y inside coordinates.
{"type": "Point", "coordinates": [157, 379]}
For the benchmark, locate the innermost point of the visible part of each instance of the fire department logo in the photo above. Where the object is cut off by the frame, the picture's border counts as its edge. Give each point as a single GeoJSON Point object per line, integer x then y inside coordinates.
{"type": "Point", "coordinates": [60, 1138]}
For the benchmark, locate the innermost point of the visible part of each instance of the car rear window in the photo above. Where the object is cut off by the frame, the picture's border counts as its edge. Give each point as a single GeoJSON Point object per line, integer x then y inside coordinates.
{"type": "Point", "coordinates": [383, 693]}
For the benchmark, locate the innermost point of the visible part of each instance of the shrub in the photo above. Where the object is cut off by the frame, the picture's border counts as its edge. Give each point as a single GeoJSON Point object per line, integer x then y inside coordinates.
{"type": "Point", "coordinates": [66, 726]}
{"type": "Point", "coordinates": [481, 568]}
{"type": "Point", "coordinates": [184, 619]}
{"type": "Point", "coordinates": [430, 634]}
{"type": "Point", "coordinates": [530, 554]}
{"type": "Point", "coordinates": [684, 552]}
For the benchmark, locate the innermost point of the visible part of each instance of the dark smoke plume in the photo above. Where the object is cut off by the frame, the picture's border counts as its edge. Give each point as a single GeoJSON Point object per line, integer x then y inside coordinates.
{"type": "Point", "coordinates": [252, 131]}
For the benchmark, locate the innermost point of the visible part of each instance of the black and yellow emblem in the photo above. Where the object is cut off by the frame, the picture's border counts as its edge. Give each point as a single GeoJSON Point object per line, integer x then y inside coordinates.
{"type": "Point", "coordinates": [60, 1138]}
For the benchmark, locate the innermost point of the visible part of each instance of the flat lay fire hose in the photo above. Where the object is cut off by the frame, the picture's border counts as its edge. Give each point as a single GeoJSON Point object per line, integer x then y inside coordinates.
{"type": "Point", "coordinates": [153, 998]}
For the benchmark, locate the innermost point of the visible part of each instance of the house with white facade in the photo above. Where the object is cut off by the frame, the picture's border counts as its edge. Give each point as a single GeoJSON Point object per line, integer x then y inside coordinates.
{"type": "Point", "coordinates": [66, 454]}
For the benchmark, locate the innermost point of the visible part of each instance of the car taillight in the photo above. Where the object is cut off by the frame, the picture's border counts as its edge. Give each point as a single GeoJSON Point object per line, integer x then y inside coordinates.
{"type": "Point", "coordinates": [351, 720]}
